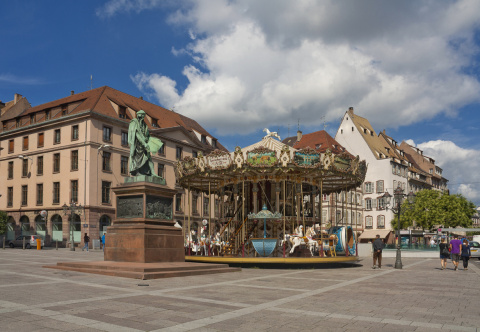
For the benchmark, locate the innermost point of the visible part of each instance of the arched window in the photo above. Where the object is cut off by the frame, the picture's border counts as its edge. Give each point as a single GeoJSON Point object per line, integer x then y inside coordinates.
{"type": "Point", "coordinates": [11, 228]}
{"type": "Point", "coordinates": [57, 228]}
{"type": "Point", "coordinates": [105, 221]}
{"type": "Point", "coordinates": [25, 225]}
{"type": "Point", "coordinates": [40, 227]}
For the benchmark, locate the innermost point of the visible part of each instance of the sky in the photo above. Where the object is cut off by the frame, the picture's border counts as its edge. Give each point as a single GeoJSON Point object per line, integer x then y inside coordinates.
{"type": "Point", "coordinates": [236, 67]}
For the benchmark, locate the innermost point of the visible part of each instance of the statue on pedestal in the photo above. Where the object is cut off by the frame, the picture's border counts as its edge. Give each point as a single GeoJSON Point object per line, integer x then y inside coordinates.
{"type": "Point", "coordinates": [141, 147]}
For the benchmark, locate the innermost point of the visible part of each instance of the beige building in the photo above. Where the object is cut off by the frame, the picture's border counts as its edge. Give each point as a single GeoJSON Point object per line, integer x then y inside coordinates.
{"type": "Point", "coordinates": [75, 150]}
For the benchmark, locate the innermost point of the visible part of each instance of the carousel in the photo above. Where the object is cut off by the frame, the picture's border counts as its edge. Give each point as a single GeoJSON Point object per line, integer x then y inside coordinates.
{"type": "Point", "coordinates": [270, 204]}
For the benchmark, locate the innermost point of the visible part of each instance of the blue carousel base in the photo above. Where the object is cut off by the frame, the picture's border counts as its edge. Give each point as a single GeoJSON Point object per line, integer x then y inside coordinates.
{"type": "Point", "coordinates": [264, 246]}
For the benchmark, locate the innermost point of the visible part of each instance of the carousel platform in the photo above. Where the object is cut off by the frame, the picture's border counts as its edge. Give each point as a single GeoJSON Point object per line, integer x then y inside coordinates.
{"type": "Point", "coordinates": [273, 261]}
{"type": "Point", "coordinates": [144, 271]}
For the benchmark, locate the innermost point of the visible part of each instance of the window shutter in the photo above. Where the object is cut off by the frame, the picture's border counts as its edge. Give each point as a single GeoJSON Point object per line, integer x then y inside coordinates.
{"type": "Point", "coordinates": [374, 203]}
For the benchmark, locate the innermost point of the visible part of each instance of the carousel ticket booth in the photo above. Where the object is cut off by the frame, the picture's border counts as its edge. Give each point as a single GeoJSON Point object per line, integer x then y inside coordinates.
{"type": "Point", "coordinates": [269, 201]}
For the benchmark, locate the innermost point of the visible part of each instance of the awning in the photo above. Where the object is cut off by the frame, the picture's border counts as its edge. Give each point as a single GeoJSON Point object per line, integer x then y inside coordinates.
{"type": "Point", "coordinates": [372, 234]}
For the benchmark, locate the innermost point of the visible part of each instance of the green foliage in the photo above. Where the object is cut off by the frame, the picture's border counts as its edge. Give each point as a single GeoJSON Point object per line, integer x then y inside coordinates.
{"type": "Point", "coordinates": [432, 208]}
{"type": "Point", "coordinates": [3, 222]}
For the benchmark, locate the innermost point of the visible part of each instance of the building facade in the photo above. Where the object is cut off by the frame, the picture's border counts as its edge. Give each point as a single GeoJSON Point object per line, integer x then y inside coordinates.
{"type": "Point", "coordinates": [75, 149]}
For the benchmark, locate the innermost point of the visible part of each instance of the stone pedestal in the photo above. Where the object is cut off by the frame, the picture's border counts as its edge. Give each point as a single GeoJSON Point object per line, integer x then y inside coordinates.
{"type": "Point", "coordinates": [143, 230]}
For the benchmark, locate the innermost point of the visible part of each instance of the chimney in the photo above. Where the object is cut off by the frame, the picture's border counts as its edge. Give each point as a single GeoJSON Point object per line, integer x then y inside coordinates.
{"type": "Point", "coordinates": [350, 109]}
{"type": "Point", "coordinates": [72, 93]}
{"type": "Point", "coordinates": [141, 97]}
{"type": "Point", "coordinates": [17, 97]}
{"type": "Point", "coordinates": [299, 135]}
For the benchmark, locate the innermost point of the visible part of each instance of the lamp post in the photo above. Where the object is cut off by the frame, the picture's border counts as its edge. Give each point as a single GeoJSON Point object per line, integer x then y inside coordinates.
{"type": "Point", "coordinates": [398, 197]}
{"type": "Point", "coordinates": [74, 209]}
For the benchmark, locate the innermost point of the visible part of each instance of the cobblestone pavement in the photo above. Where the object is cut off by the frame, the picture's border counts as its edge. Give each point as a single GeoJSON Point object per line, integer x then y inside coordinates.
{"type": "Point", "coordinates": [420, 297]}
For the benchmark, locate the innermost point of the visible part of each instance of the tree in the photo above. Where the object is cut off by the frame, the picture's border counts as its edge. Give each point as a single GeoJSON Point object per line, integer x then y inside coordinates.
{"type": "Point", "coordinates": [3, 222]}
{"type": "Point", "coordinates": [431, 208]}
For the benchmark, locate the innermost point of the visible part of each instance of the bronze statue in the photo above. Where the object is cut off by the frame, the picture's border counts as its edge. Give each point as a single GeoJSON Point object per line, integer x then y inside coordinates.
{"type": "Point", "coordinates": [141, 146]}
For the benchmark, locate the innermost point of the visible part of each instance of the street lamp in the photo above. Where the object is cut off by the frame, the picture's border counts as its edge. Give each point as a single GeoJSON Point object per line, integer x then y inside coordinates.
{"type": "Point", "coordinates": [398, 197]}
{"type": "Point", "coordinates": [74, 209]}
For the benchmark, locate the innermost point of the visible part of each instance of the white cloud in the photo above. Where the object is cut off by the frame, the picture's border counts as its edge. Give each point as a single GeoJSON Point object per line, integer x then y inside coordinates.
{"type": "Point", "coordinates": [268, 63]}
{"type": "Point", "coordinates": [113, 7]}
{"type": "Point", "coordinates": [460, 166]}
{"type": "Point", "coordinates": [15, 79]}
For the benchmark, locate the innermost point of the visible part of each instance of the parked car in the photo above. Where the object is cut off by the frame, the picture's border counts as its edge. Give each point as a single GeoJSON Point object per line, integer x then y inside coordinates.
{"type": "Point", "coordinates": [475, 249]}
{"type": "Point", "coordinates": [30, 241]}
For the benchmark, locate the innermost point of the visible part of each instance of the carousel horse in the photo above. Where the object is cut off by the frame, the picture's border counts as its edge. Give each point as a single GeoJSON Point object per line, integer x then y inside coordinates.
{"type": "Point", "coordinates": [307, 240]}
{"type": "Point", "coordinates": [271, 134]}
{"type": "Point", "coordinates": [216, 243]}
{"type": "Point", "coordinates": [192, 242]}
{"type": "Point", "coordinates": [204, 242]}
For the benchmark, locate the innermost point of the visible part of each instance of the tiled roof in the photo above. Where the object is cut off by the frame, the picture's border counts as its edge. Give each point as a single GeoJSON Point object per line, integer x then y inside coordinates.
{"type": "Point", "coordinates": [100, 101]}
{"type": "Point", "coordinates": [319, 141]}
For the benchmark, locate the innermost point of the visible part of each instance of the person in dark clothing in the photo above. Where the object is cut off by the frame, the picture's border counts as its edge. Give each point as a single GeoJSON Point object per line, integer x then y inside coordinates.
{"type": "Point", "coordinates": [444, 253]}
{"type": "Point", "coordinates": [86, 240]}
{"type": "Point", "coordinates": [377, 252]}
{"type": "Point", "coordinates": [465, 254]}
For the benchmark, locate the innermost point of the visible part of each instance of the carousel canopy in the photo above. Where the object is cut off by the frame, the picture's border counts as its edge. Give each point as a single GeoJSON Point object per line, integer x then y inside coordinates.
{"type": "Point", "coordinates": [271, 160]}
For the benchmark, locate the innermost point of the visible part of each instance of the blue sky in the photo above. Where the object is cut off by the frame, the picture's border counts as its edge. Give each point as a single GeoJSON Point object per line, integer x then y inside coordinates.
{"type": "Point", "coordinates": [410, 67]}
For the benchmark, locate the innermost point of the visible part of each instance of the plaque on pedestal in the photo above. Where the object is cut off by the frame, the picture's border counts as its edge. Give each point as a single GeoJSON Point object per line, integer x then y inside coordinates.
{"type": "Point", "coordinates": [143, 230]}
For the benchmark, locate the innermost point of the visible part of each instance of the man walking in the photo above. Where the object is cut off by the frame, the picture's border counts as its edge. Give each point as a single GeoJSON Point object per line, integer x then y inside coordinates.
{"type": "Point", "coordinates": [377, 252]}
{"type": "Point", "coordinates": [86, 239]}
{"type": "Point", "coordinates": [456, 250]}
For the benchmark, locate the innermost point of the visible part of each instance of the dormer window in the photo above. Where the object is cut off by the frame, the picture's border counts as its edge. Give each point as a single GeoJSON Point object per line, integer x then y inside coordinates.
{"type": "Point", "coordinates": [32, 118]}
{"type": "Point", "coordinates": [154, 123]}
{"type": "Point", "coordinates": [122, 112]}
{"type": "Point", "coordinates": [17, 123]}
{"type": "Point", "coordinates": [64, 110]}
{"type": "Point", "coordinates": [214, 143]}
{"type": "Point", "coordinates": [317, 146]}
{"type": "Point", "coordinates": [47, 115]}
{"type": "Point", "coordinates": [364, 130]}
{"type": "Point", "coordinates": [204, 139]}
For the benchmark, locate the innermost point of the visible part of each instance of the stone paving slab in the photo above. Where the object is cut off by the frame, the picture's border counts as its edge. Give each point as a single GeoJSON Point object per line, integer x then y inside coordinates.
{"type": "Point", "coordinates": [355, 297]}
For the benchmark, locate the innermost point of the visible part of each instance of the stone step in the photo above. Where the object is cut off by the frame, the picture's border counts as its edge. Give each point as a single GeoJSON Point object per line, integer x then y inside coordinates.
{"type": "Point", "coordinates": [142, 270]}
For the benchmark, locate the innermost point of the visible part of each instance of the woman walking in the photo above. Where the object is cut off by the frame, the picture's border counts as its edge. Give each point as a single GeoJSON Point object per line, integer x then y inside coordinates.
{"type": "Point", "coordinates": [465, 254]}
{"type": "Point", "coordinates": [444, 253]}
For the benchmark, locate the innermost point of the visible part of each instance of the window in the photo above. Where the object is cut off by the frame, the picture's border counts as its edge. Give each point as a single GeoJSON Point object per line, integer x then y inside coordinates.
{"type": "Point", "coordinates": [124, 138]}
{"type": "Point", "coordinates": [17, 123]}
{"type": "Point", "coordinates": [40, 140]}
{"type": "Point", "coordinates": [194, 204]}
{"type": "Point", "coordinates": [380, 203]}
{"type": "Point", "coordinates": [368, 222]}
{"type": "Point", "coordinates": [161, 170]}
{"type": "Point", "coordinates": [106, 192]}
{"type": "Point", "coordinates": [394, 184]}
{"type": "Point", "coordinates": [178, 203]}
{"type": "Point", "coordinates": [39, 193]}
{"type": "Point", "coordinates": [10, 170]}
{"type": "Point", "coordinates": [381, 222]}
{"type": "Point", "coordinates": [122, 112]}
{"type": "Point", "coordinates": [25, 143]}
{"type": "Point", "coordinates": [56, 163]}
{"type": "Point", "coordinates": [56, 136]}
{"type": "Point", "coordinates": [179, 152]}
{"type": "Point", "coordinates": [47, 115]}
{"type": "Point", "coordinates": [194, 154]}
{"type": "Point", "coordinates": [154, 123]}
{"type": "Point", "coordinates": [107, 134]}
{"type": "Point", "coordinates": [10, 196]}
{"type": "Point", "coordinates": [10, 146]}
{"type": "Point", "coordinates": [25, 167]}
{"type": "Point", "coordinates": [206, 209]}
{"type": "Point", "coordinates": [40, 165]}
{"type": "Point", "coordinates": [124, 165]}
{"type": "Point", "coordinates": [106, 161]}
{"type": "Point", "coordinates": [74, 190]}
{"type": "Point", "coordinates": [368, 203]}
{"type": "Point", "coordinates": [204, 139]}
{"type": "Point", "coordinates": [368, 187]}
{"type": "Point", "coordinates": [32, 118]}
{"type": "Point", "coordinates": [56, 193]}
{"type": "Point", "coordinates": [74, 133]}
{"type": "Point", "coordinates": [74, 160]}
{"type": "Point", "coordinates": [161, 151]}
{"type": "Point", "coordinates": [64, 110]}
{"type": "Point", "coordinates": [24, 195]}
{"type": "Point", "coordinates": [214, 143]}
{"type": "Point", "coordinates": [380, 186]}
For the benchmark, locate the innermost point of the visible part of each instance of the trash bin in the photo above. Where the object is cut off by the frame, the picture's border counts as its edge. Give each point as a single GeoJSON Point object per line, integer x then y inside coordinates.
{"type": "Point", "coordinates": [39, 244]}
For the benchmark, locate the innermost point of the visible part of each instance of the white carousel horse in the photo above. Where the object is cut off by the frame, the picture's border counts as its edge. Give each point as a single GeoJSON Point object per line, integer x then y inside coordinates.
{"type": "Point", "coordinates": [307, 240]}
{"type": "Point", "coordinates": [271, 134]}
{"type": "Point", "coordinates": [204, 242]}
{"type": "Point", "coordinates": [192, 242]}
{"type": "Point", "coordinates": [216, 244]}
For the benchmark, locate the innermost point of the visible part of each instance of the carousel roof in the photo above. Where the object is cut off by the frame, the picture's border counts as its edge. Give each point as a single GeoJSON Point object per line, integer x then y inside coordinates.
{"type": "Point", "coordinates": [271, 160]}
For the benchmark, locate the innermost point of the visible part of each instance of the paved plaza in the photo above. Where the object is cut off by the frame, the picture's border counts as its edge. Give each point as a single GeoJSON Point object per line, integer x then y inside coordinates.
{"type": "Point", "coordinates": [420, 297]}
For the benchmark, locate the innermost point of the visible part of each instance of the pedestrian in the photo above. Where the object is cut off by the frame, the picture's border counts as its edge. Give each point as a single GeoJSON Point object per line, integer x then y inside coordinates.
{"type": "Point", "coordinates": [377, 252]}
{"type": "Point", "coordinates": [103, 241]}
{"type": "Point", "coordinates": [86, 239]}
{"type": "Point", "coordinates": [465, 254]}
{"type": "Point", "coordinates": [456, 250]}
{"type": "Point", "coordinates": [444, 253]}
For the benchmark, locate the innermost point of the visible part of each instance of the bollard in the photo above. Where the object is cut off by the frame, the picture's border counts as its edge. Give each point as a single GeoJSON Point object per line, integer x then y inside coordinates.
{"type": "Point", "coordinates": [24, 243]}
{"type": "Point", "coordinates": [39, 244]}
{"type": "Point", "coordinates": [3, 243]}
{"type": "Point", "coordinates": [56, 245]}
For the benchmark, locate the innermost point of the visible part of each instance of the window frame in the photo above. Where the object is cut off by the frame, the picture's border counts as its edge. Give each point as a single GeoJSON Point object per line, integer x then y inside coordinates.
{"type": "Point", "coordinates": [56, 163]}
{"type": "Point", "coordinates": [75, 133]}
{"type": "Point", "coordinates": [24, 195]}
{"type": "Point", "coordinates": [40, 165]}
{"type": "Point", "coordinates": [25, 143]}
{"type": "Point", "coordinates": [381, 219]}
{"type": "Point", "coordinates": [74, 160]}
{"type": "Point", "coordinates": [24, 167]}
{"type": "Point", "coordinates": [10, 170]}
{"type": "Point", "coordinates": [368, 204]}
{"type": "Point", "coordinates": [368, 220]}
{"type": "Point", "coordinates": [369, 187]}
{"type": "Point", "coordinates": [57, 134]}
{"type": "Point", "coordinates": [74, 191]}
{"type": "Point", "coordinates": [124, 165]}
{"type": "Point", "coordinates": [107, 131]}
{"type": "Point", "coordinates": [107, 161]}
{"type": "Point", "coordinates": [124, 138]}
{"type": "Point", "coordinates": [9, 196]}
{"type": "Point", "coordinates": [41, 140]}
{"type": "Point", "coordinates": [380, 186]}
{"type": "Point", "coordinates": [106, 196]}
{"type": "Point", "coordinates": [178, 148]}
{"type": "Point", "coordinates": [11, 146]}
{"type": "Point", "coordinates": [39, 193]}
{"type": "Point", "coordinates": [56, 193]}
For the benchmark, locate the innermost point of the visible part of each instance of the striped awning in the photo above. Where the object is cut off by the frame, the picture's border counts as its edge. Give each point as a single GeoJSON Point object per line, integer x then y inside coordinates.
{"type": "Point", "coordinates": [372, 233]}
